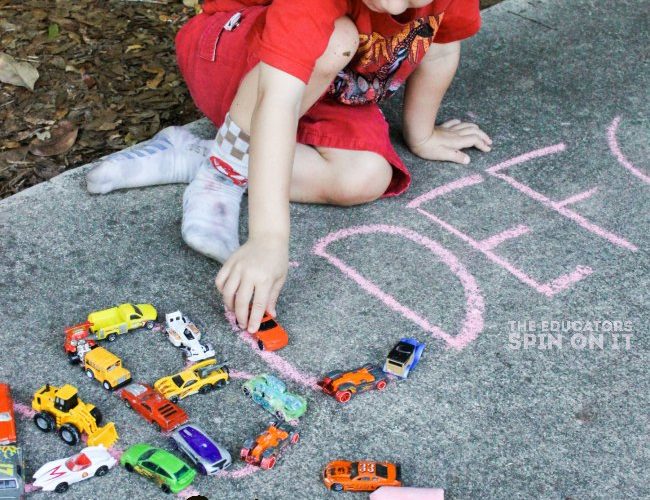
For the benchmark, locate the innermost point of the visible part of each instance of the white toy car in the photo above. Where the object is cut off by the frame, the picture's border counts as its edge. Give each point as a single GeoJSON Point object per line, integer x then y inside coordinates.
{"type": "Point", "coordinates": [58, 475]}
{"type": "Point", "coordinates": [184, 334]}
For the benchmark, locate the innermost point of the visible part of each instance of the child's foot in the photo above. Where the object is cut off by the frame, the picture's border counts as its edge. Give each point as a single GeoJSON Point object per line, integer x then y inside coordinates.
{"type": "Point", "coordinates": [173, 155]}
{"type": "Point", "coordinates": [211, 202]}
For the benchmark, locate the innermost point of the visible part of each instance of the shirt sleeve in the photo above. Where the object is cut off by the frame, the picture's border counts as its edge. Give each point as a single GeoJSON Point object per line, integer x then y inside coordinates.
{"type": "Point", "coordinates": [462, 19]}
{"type": "Point", "coordinates": [296, 34]}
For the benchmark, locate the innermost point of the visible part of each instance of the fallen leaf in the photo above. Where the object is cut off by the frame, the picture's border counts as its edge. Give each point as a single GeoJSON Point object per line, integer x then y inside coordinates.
{"type": "Point", "coordinates": [158, 71]}
{"type": "Point", "coordinates": [53, 31]}
{"type": "Point", "coordinates": [17, 73]}
{"type": "Point", "coordinates": [132, 47]}
{"type": "Point", "coordinates": [10, 145]}
{"type": "Point", "coordinates": [62, 138]}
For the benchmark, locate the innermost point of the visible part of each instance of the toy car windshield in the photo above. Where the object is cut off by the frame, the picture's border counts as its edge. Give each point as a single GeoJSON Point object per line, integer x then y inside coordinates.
{"type": "Point", "coordinates": [178, 380]}
{"type": "Point", "coordinates": [188, 334]}
{"type": "Point", "coordinates": [8, 484]}
{"type": "Point", "coordinates": [381, 471]}
{"type": "Point", "coordinates": [354, 470]}
{"type": "Point", "coordinates": [137, 389]}
{"type": "Point", "coordinates": [267, 325]}
{"type": "Point", "coordinates": [181, 472]}
{"type": "Point", "coordinates": [5, 416]}
{"type": "Point", "coordinates": [137, 310]}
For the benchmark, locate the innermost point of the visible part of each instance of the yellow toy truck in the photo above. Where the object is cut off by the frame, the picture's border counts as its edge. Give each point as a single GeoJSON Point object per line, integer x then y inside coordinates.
{"type": "Point", "coordinates": [105, 367]}
{"type": "Point", "coordinates": [109, 323]}
{"type": "Point", "coordinates": [60, 408]}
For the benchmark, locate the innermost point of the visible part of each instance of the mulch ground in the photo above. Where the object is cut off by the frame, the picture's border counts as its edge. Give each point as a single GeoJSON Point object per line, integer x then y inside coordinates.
{"type": "Point", "coordinates": [107, 79]}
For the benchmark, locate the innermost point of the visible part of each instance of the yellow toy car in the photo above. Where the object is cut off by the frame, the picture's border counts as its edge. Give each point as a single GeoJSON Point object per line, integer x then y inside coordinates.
{"type": "Point", "coordinates": [105, 367]}
{"type": "Point", "coordinates": [202, 377]}
{"type": "Point", "coordinates": [109, 323]}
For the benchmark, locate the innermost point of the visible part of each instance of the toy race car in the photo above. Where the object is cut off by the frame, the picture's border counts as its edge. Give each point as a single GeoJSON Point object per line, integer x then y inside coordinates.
{"type": "Point", "coordinates": [78, 341]}
{"type": "Point", "coordinates": [184, 334]}
{"type": "Point", "coordinates": [7, 419]}
{"type": "Point", "coordinates": [153, 406]}
{"type": "Point", "coordinates": [58, 475]}
{"type": "Point", "coordinates": [342, 385]}
{"type": "Point", "coordinates": [12, 472]}
{"type": "Point", "coordinates": [202, 377]}
{"type": "Point", "coordinates": [208, 456]}
{"type": "Point", "coordinates": [270, 336]}
{"type": "Point", "coordinates": [265, 449]}
{"type": "Point", "coordinates": [163, 468]}
{"type": "Point", "coordinates": [342, 475]}
{"type": "Point", "coordinates": [271, 393]}
{"type": "Point", "coordinates": [404, 357]}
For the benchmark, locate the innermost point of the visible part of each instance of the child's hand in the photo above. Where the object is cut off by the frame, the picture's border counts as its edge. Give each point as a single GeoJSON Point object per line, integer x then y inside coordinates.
{"type": "Point", "coordinates": [256, 271]}
{"type": "Point", "coordinates": [449, 138]}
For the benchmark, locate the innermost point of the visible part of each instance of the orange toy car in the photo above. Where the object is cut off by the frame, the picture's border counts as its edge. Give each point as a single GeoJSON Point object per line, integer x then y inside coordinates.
{"type": "Point", "coordinates": [341, 475]}
{"type": "Point", "coordinates": [265, 449]}
{"type": "Point", "coordinates": [342, 385]}
{"type": "Point", "coordinates": [7, 420]}
{"type": "Point", "coordinates": [270, 336]}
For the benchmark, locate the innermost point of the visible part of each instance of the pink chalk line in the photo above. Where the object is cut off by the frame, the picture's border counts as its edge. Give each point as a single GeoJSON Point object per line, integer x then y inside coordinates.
{"type": "Point", "coordinates": [576, 198]}
{"type": "Point", "coordinates": [272, 359]}
{"type": "Point", "coordinates": [558, 207]}
{"type": "Point", "coordinates": [23, 410]}
{"type": "Point", "coordinates": [239, 473]}
{"type": "Point", "coordinates": [188, 492]}
{"type": "Point", "coordinates": [446, 188]}
{"type": "Point", "coordinates": [493, 241]}
{"type": "Point", "coordinates": [473, 322]}
{"type": "Point", "coordinates": [616, 151]}
{"type": "Point", "coordinates": [294, 263]}
{"type": "Point", "coordinates": [241, 375]}
{"type": "Point", "coordinates": [30, 488]}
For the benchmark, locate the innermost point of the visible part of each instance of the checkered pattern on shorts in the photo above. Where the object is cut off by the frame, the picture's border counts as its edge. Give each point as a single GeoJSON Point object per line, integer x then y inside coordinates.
{"type": "Point", "coordinates": [233, 141]}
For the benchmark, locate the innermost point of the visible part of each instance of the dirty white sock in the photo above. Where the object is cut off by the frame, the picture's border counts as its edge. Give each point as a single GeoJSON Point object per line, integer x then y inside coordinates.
{"type": "Point", "coordinates": [212, 200]}
{"type": "Point", "coordinates": [173, 155]}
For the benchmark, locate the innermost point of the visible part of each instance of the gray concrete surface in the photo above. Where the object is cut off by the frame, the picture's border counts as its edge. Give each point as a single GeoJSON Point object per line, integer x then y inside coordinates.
{"type": "Point", "coordinates": [484, 421]}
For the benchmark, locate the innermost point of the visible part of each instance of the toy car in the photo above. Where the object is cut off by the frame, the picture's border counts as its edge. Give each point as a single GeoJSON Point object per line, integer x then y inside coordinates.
{"type": "Point", "coordinates": [202, 378]}
{"type": "Point", "coordinates": [404, 357]}
{"type": "Point", "coordinates": [77, 341]}
{"type": "Point", "coordinates": [169, 472]}
{"type": "Point", "coordinates": [207, 456]}
{"type": "Point", "coordinates": [60, 408]}
{"type": "Point", "coordinates": [342, 385]}
{"type": "Point", "coordinates": [58, 475]}
{"type": "Point", "coordinates": [265, 449]}
{"type": "Point", "coordinates": [105, 367]}
{"type": "Point", "coordinates": [270, 336]}
{"type": "Point", "coordinates": [109, 323]}
{"type": "Point", "coordinates": [271, 393]}
{"type": "Point", "coordinates": [342, 475]}
{"type": "Point", "coordinates": [12, 472]}
{"type": "Point", "coordinates": [153, 406]}
{"type": "Point", "coordinates": [183, 333]}
{"type": "Point", "coordinates": [7, 419]}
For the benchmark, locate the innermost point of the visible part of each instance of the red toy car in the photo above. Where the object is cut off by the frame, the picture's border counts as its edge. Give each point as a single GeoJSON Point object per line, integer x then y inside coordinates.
{"type": "Point", "coordinates": [342, 385]}
{"type": "Point", "coordinates": [270, 336]}
{"type": "Point", "coordinates": [7, 421]}
{"type": "Point", "coordinates": [153, 406]}
{"type": "Point", "coordinates": [76, 339]}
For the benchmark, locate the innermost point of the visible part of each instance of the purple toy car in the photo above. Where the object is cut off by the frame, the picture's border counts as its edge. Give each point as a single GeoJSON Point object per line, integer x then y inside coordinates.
{"type": "Point", "coordinates": [208, 457]}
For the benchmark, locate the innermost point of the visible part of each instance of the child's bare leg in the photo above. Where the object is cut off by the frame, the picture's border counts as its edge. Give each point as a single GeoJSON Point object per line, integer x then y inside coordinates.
{"type": "Point", "coordinates": [173, 155]}
{"type": "Point", "coordinates": [212, 200]}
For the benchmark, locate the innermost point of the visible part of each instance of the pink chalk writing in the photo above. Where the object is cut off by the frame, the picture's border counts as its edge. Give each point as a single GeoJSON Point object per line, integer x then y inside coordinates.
{"type": "Point", "coordinates": [473, 322]}
{"type": "Point", "coordinates": [188, 492]}
{"type": "Point", "coordinates": [493, 241]}
{"type": "Point", "coordinates": [241, 375]}
{"type": "Point", "coordinates": [616, 151]}
{"type": "Point", "coordinates": [446, 188]}
{"type": "Point", "coordinates": [576, 198]}
{"type": "Point", "coordinates": [30, 488]}
{"type": "Point", "coordinates": [294, 264]}
{"type": "Point", "coordinates": [23, 410]}
{"type": "Point", "coordinates": [239, 473]}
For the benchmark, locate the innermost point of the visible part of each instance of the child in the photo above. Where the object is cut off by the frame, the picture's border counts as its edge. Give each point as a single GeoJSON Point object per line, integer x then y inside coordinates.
{"type": "Point", "coordinates": [293, 86]}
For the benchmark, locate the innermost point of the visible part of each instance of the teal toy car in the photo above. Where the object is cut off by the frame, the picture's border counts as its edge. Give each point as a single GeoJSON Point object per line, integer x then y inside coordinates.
{"type": "Point", "coordinates": [160, 466]}
{"type": "Point", "coordinates": [271, 394]}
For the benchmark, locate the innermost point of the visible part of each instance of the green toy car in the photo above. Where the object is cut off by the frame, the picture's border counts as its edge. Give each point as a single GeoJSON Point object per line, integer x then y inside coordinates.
{"type": "Point", "coordinates": [271, 394]}
{"type": "Point", "coordinates": [160, 466]}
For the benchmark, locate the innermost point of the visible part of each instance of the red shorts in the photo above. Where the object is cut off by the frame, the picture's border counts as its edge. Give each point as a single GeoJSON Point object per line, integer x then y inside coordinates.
{"type": "Point", "coordinates": [213, 62]}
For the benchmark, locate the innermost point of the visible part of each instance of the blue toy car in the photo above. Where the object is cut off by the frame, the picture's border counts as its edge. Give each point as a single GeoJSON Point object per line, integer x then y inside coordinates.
{"type": "Point", "coordinates": [208, 457]}
{"type": "Point", "coordinates": [404, 357]}
{"type": "Point", "coordinates": [271, 394]}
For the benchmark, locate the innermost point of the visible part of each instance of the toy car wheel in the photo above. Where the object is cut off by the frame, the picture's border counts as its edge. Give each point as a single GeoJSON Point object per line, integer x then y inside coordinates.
{"type": "Point", "coordinates": [107, 386]}
{"type": "Point", "coordinates": [73, 359]}
{"type": "Point", "coordinates": [61, 487]}
{"type": "Point", "coordinates": [128, 467]}
{"type": "Point", "coordinates": [381, 385]}
{"type": "Point", "coordinates": [97, 415]}
{"type": "Point", "coordinates": [44, 421]}
{"type": "Point", "coordinates": [205, 389]}
{"type": "Point", "coordinates": [157, 427]}
{"type": "Point", "coordinates": [244, 453]}
{"type": "Point", "coordinates": [149, 325]}
{"type": "Point", "coordinates": [102, 471]}
{"type": "Point", "coordinates": [337, 487]}
{"type": "Point", "coordinates": [260, 344]}
{"type": "Point", "coordinates": [174, 399]}
{"type": "Point", "coordinates": [165, 488]}
{"type": "Point", "coordinates": [294, 438]}
{"type": "Point", "coordinates": [173, 443]}
{"type": "Point", "coordinates": [280, 415]}
{"type": "Point", "coordinates": [220, 384]}
{"type": "Point", "coordinates": [201, 469]}
{"type": "Point", "coordinates": [112, 337]}
{"type": "Point", "coordinates": [128, 405]}
{"type": "Point", "coordinates": [268, 462]}
{"type": "Point", "coordinates": [246, 391]}
{"type": "Point", "coordinates": [69, 434]}
{"type": "Point", "coordinates": [89, 373]}
{"type": "Point", "coordinates": [343, 396]}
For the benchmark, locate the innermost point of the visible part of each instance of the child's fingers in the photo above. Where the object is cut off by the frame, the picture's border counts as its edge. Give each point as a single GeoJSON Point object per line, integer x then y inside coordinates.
{"type": "Point", "coordinates": [260, 301]}
{"type": "Point", "coordinates": [229, 292]}
{"type": "Point", "coordinates": [451, 154]}
{"type": "Point", "coordinates": [273, 297]}
{"type": "Point", "coordinates": [478, 132]}
{"type": "Point", "coordinates": [450, 123]}
{"type": "Point", "coordinates": [243, 301]}
{"type": "Point", "coordinates": [221, 278]}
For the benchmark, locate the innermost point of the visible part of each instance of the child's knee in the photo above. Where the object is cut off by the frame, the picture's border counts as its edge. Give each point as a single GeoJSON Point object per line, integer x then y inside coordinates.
{"type": "Point", "coordinates": [364, 182]}
{"type": "Point", "coordinates": [341, 48]}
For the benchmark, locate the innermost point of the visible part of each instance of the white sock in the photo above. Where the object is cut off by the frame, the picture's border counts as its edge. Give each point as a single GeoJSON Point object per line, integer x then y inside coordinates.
{"type": "Point", "coordinates": [212, 200]}
{"type": "Point", "coordinates": [173, 155]}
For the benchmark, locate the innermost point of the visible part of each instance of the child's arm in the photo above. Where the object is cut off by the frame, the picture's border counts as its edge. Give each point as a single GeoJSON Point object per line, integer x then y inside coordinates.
{"type": "Point", "coordinates": [258, 269]}
{"type": "Point", "coordinates": [425, 89]}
